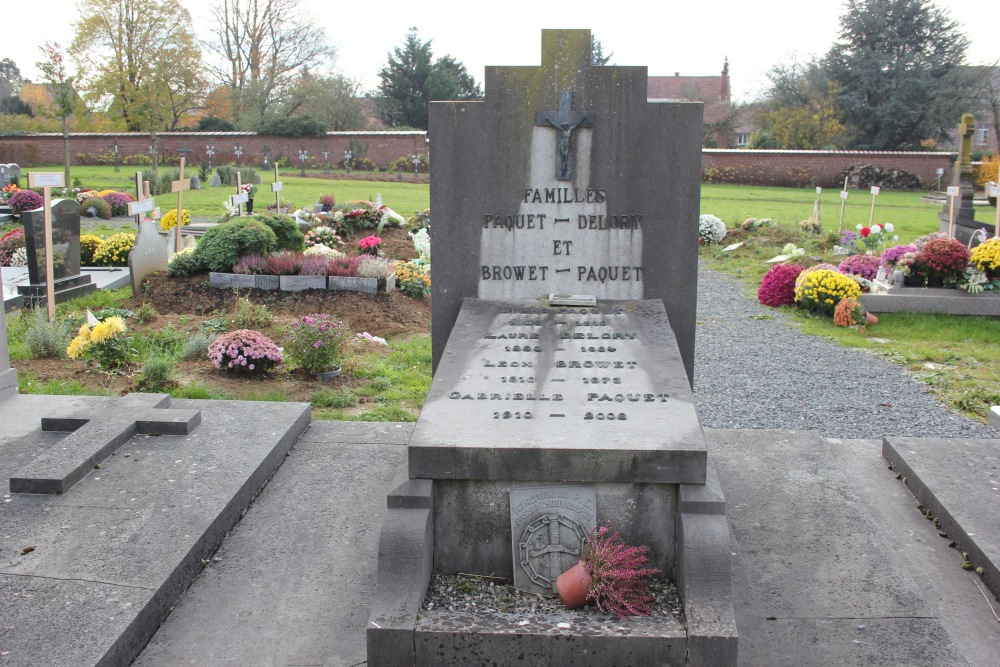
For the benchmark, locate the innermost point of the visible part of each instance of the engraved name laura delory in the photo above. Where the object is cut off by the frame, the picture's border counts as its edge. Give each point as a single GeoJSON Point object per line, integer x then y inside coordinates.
{"type": "Point", "coordinates": [581, 364]}
{"type": "Point", "coordinates": [549, 527]}
{"type": "Point", "coordinates": [563, 248]}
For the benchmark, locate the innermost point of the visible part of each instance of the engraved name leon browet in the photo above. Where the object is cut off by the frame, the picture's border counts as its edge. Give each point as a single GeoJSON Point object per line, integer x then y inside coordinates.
{"type": "Point", "coordinates": [550, 526]}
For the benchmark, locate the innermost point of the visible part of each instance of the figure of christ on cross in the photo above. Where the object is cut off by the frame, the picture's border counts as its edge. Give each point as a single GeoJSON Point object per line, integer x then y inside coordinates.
{"type": "Point", "coordinates": [565, 120]}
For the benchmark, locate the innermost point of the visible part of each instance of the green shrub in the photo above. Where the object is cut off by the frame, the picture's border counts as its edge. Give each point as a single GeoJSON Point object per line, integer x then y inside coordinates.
{"type": "Point", "coordinates": [146, 313]}
{"type": "Point", "coordinates": [166, 178]}
{"type": "Point", "coordinates": [184, 263]}
{"type": "Point", "coordinates": [223, 245]}
{"type": "Point", "coordinates": [47, 340]}
{"type": "Point", "coordinates": [196, 347]}
{"type": "Point", "coordinates": [227, 174]}
{"type": "Point", "coordinates": [101, 207]}
{"type": "Point", "coordinates": [405, 164]}
{"type": "Point", "coordinates": [285, 229]}
{"type": "Point", "coordinates": [157, 374]}
{"type": "Point", "coordinates": [338, 398]}
{"type": "Point", "coordinates": [294, 126]}
{"type": "Point", "coordinates": [214, 124]}
{"type": "Point", "coordinates": [250, 315]}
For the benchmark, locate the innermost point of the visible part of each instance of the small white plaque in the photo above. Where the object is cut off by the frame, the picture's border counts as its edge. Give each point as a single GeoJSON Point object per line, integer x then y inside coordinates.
{"type": "Point", "coordinates": [46, 180]}
{"type": "Point", "coordinates": [241, 198]}
{"type": "Point", "coordinates": [137, 207]}
{"type": "Point", "coordinates": [572, 300]}
{"type": "Point", "coordinates": [940, 171]}
{"type": "Point", "coordinates": [954, 191]}
{"type": "Point", "coordinates": [779, 258]}
{"type": "Point", "coordinates": [875, 190]}
{"type": "Point", "coordinates": [994, 191]}
{"type": "Point", "coordinates": [843, 194]}
{"type": "Point", "coordinates": [276, 187]}
{"type": "Point", "coordinates": [733, 246]}
{"type": "Point", "coordinates": [819, 190]}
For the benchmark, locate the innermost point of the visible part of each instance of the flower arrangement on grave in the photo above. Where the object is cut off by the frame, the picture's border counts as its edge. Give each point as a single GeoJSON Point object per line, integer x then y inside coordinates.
{"type": "Point", "coordinates": [711, 229]}
{"type": "Point", "coordinates": [921, 241]}
{"type": "Point", "coordinates": [9, 244]}
{"type": "Point", "coordinates": [314, 265]}
{"type": "Point", "coordinates": [20, 257]}
{"type": "Point", "coordinates": [422, 244]}
{"type": "Point", "coordinates": [183, 263]}
{"type": "Point", "coordinates": [613, 575]}
{"type": "Point", "coordinates": [379, 268]}
{"type": "Point", "coordinates": [777, 288]}
{"type": "Point", "coordinates": [169, 219]}
{"type": "Point", "coordinates": [107, 345]}
{"type": "Point", "coordinates": [975, 281]}
{"type": "Point", "coordinates": [89, 243]}
{"type": "Point", "coordinates": [815, 267]}
{"type": "Point", "coordinates": [85, 194]}
{"type": "Point", "coordinates": [25, 200]}
{"type": "Point", "coordinates": [943, 258]}
{"type": "Point", "coordinates": [323, 235]}
{"type": "Point", "coordinates": [96, 206]}
{"type": "Point", "coordinates": [250, 189]}
{"type": "Point", "coordinates": [327, 202]}
{"type": "Point", "coordinates": [821, 290]}
{"type": "Point", "coordinates": [412, 280]}
{"type": "Point", "coordinates": [850, 313]}
{"type": "Point", "coordinates": [245, 351]}
{"type": "Point", "coordinates": [892, 255]}
{"type": "Point", "coordinates": [876, 236]}
{"type": "Point", "coordinates": [792, 251]}
{"type": "Point", "coordinates": [285, 263]}
{"type": "Point", "coordinates": [865, 266]}
{"type": "Point", "coordinates": [986, 256]}
{"type": "Point", "coordinates": [364, 335]}
{"type": "Point", "coordinates": [370, 245]}
{"type": "Point", "coordinates": [322, 251]}
{"type": "Point", "coordinates": [419, 220]}
{"type": "Point", "coordinates": [118, 201]}
{"type": "Point", "coordinates": [344, 267]}
{"type": "Point", "coordinates": [810, 226]}
{"type": "Point", "coordinates": [315, 342]}
{"type": "Point", "coordinates": [7, 191]}
{"type": "Point", "coordinates": [114, 250]}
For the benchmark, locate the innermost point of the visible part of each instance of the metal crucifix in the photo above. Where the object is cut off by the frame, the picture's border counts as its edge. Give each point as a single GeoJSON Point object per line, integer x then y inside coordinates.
{"type": "Point", "coordinates": [565, 120]}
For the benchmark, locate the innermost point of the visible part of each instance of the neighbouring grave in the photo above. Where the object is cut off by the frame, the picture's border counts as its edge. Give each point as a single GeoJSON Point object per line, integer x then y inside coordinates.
{"type": "Point", "coordinates": [962, 222]}
{"type": "Point", "coordinates": [68, 282]}
{"type": "Point", "coordinates": [563, 347]}
{"type": "Point", "coordinates": [8, 375]}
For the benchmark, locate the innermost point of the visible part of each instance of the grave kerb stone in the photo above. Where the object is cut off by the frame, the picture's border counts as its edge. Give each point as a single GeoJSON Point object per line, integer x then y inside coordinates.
{"type": "Point", "coordinates": [8, 375]}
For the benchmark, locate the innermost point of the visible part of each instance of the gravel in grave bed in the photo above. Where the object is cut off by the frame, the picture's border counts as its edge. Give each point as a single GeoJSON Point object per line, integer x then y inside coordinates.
{"type": "Point", "coordinates": [477, 594]}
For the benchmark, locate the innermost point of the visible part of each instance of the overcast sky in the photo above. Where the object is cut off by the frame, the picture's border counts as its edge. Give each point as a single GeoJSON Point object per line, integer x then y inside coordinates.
{"type": "Point", "coordinates": [691, 38]}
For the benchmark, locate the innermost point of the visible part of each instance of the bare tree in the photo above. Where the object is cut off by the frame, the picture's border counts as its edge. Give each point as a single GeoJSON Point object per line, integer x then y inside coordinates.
{"type": "Point", "coordinates": [263, 46]}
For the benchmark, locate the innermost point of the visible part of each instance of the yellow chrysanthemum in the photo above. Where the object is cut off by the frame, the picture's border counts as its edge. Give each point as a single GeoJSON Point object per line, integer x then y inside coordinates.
{"type": "Point", "coordinates": [84, 332]}
{"type": "Point", "coordinates": [116, 323]}
{"type": "Point", "coordinates": [77, 347]}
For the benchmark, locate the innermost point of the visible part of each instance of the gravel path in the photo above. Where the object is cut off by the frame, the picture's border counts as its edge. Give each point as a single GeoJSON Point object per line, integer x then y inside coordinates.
{"type": "Point", "coordinates": [752, 371]}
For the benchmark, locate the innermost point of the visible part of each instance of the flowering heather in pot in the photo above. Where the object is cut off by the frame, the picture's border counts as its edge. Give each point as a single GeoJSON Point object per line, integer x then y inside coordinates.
{"type": "Point", "coordinates": [245, 351]}
{"type": "Point", "coordinates": [9, 244]}
{"type": "Point", "coordinates": [865, 266]}
{"type": "Point", "coordinates": [314, 266]}
{"type": "Point", "coordinates": [322, 235]}
{"type": "Point", "coordinates": [375, 267]}
{"type": "Point", "coordinates": [251, 265]}
{"type": "Point", "coordinates": [285, 263]}
{"type": "Point", "coordinates": [25, 200]}
{"type": "Point", "coordinates": [345, 267]}
{"type": "Point", "coordinates": [945, 258]}
{"type": "Point", "coordinates": [986, 256]}
{"type": "Point", "coordinates": [891, 256]}
{"type": "Point", "coordinates": [617, 571]}
{"type": "Point", "coordinates": [778, 285]}
{"type": "Point", "coordinates": [119, 202]}
{"type": "Point", "coordinates": [921, 241]}
{"type": "Point", "coordinates": [315, 341]}
{"type": "Point", "coordinates": [822, 290]}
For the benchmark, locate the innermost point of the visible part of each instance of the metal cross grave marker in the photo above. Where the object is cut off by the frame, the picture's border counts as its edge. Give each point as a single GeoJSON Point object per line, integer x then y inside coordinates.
{"type": "Point", "coordinates": [565, 120]}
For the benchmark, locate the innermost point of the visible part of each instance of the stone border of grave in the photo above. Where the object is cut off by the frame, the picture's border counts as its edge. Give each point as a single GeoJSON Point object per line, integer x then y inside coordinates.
{"type": "Point", "coordinates": [299, 283]}
{"type": "Point", "coordinates": [932, 300]}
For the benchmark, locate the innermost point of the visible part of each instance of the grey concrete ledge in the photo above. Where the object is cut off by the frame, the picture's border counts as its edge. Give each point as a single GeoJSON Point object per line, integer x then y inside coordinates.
{"type": "Point", "coordinates": [994, 416]}
{"type": "Point", "coordinates": [928, 300]}
{"type": "Point", "coordinates": [8, 382]}
{"type": "Point", "coordinates": [239, 280]}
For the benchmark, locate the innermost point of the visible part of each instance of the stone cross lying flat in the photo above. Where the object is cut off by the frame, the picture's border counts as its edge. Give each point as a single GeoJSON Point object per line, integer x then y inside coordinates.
{"type": "Point", "coordinates": [91, 441]}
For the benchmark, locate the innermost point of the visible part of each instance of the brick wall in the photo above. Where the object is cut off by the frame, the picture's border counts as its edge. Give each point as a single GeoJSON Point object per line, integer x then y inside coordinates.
{"type": "Point", "coordinates": [809, 168]}
{"type": "Point", "coordinates": [750, 167]}
{"type": "Point", "coordinates": [91, 148]}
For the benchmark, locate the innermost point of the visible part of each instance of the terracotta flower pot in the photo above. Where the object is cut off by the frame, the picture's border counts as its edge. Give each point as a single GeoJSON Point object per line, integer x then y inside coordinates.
{"type": "Point", "coordinates": [870, 318]}
{"type": "Point", "coordinates": [573, 586]}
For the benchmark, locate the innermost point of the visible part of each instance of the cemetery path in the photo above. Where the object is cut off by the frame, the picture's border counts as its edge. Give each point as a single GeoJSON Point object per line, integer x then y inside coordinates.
{"type": "Point", "coordinates": [754, 369]}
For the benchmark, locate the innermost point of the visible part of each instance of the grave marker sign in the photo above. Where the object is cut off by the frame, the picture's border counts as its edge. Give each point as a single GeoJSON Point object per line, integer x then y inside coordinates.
{"type": "Point", "coordinates": [179, 186]}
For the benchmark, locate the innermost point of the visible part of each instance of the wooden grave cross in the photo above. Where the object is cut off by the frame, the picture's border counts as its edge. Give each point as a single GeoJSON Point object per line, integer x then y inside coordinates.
{"type": "Point", "coordinates": [143, 203]}
{"type": "Point", "coordinates": [179, 186]}
{"type": "Point", "coordinates": [276, 189]}
{"type": "Point", "coordinates": [843, 202]}
{"type": "Point", "coordinates": [954, 192]}
{"type": "Point", "coordinates": [46, 181]}
{"type": "Point", "coordinates": [871, 216]}
{"type": "Point", "coordinates": [240, 197]}
{"type": "Point", "coordinates": [819, 192]}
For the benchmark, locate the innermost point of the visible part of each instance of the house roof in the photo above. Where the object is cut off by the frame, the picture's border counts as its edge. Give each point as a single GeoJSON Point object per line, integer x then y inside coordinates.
{"type": "Point", "coordinates": [712, 91]}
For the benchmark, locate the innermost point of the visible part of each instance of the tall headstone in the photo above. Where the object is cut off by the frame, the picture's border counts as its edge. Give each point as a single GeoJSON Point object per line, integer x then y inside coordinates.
{"type": "Point", "coordinates": [8, 375]}
{"type": "Point", "coordinates": [963, 177]}
{"type": "Point", "coordinates": [565, 179]}
{"type": "Point", "coordinates": [150, 253]}
{"type": "Point", "coordinates": [563, 347]}
{"type": "Point", "coordinates": [68, 283]}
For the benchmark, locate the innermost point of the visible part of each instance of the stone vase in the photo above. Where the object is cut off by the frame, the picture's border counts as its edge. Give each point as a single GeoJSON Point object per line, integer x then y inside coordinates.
{"type": "Point", "coordinates": [249, 205]}
{"type": "Point", "coordinates": [574, 586]}
{"type": "Point", "coordinates": [935, 282]}
{"type": "Point", "coordinates": [913, 280]}
{"type": "Point", "coordinates": [326, 376]}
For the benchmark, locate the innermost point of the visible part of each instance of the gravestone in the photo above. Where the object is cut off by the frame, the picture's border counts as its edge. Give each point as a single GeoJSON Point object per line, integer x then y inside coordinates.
{"type": "Point", "coordinates": [545, 416]}
{"type": "Point", "coordinates": [8, 375]}
{"type": "Point", "coordinates": [215, 182]}
{"type": "Point", "coordinates": [149, 253]}
{"type": "Point", "coordinates": [10, 173]}
{"type": "Point", "coordinates": [963, 177]}
{"type": "Point", "coordinates": [195, 182]}
{"type": "Point", "coordinates": [68, 281]}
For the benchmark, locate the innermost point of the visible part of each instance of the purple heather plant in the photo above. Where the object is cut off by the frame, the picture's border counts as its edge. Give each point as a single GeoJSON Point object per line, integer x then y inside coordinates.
{"type": "Point", "coordinates": [245, 351]}
{"type": "Point", "coordinates": [25, 200]}
{"type": "Point", "coordinates": [119, 202]}
{"type": "Point", "coordinates": [314, 265]}
{"type": "Point", "coordinates": [251, 264]}
{"type": "Point", "coordinates": [285, 263]}
{"type": "Point", "coordinates": [617, 571]}
{"type": "Point", "coordinates": [343, 266]}
{"type": "Point", "coordinates": [865, 266]}
{"type": "Point", "coordinates": [778, 285]}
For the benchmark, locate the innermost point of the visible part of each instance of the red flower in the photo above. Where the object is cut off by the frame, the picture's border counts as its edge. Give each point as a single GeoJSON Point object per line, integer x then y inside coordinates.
{"type": "Point", "coordinates": [865, 231]}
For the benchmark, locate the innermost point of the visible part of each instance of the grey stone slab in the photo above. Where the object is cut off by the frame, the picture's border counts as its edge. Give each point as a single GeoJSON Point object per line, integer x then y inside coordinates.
{"type": "Point", "coordinates": [8, 376]}
{"type": "Point", "coordinates": [927, 300]}
{"type": "Point", "coordinates": [300, 283]}
{"type": "Point", "coordinates": [387, 433]}
{"type": "Point", "coordinates": [640, 160]}
{"type": "Point", "coordinates": [64, 623]}
{"type": "Point", "coordinates": [226, 280]}
{"type": "Point", "coordinates": [958, 481]}
{"type": "Point", "coordinates": [147, 519]}
{"type": "Point", "coordinates": [353, 284]}
{"type": "Point", "coordinates": [599, 395]}
{"type": "Point", "coordinates": [294, 581]}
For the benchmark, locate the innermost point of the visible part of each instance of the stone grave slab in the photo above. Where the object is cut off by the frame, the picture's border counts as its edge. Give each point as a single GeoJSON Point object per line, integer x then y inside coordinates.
{"type": "Point", "coordinates": [111, 556]}
{"type": "Point", "coordinates": [958, 482]}
{"type": "Point", "coordinates": [150, 253]}
{"type": "Point", "coordinates": [10, 173]}
{"type": "Point", "coordinates": [8, 375]}
{"type": "Point", "coordinates": [69, 282]}
{"type": "Point", "coordinates": [598, 394]}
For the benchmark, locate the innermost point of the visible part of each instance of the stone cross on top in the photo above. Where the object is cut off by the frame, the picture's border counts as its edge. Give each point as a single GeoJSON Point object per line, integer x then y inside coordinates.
{"type": "Point", "coordinates": [565, 120]}
{"type": "Point", "coordinates": [965, 131]}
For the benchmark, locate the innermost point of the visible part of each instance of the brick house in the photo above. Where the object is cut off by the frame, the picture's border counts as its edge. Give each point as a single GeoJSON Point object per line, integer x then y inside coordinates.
{"type": "Point", "coordinates": [721, 118]}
